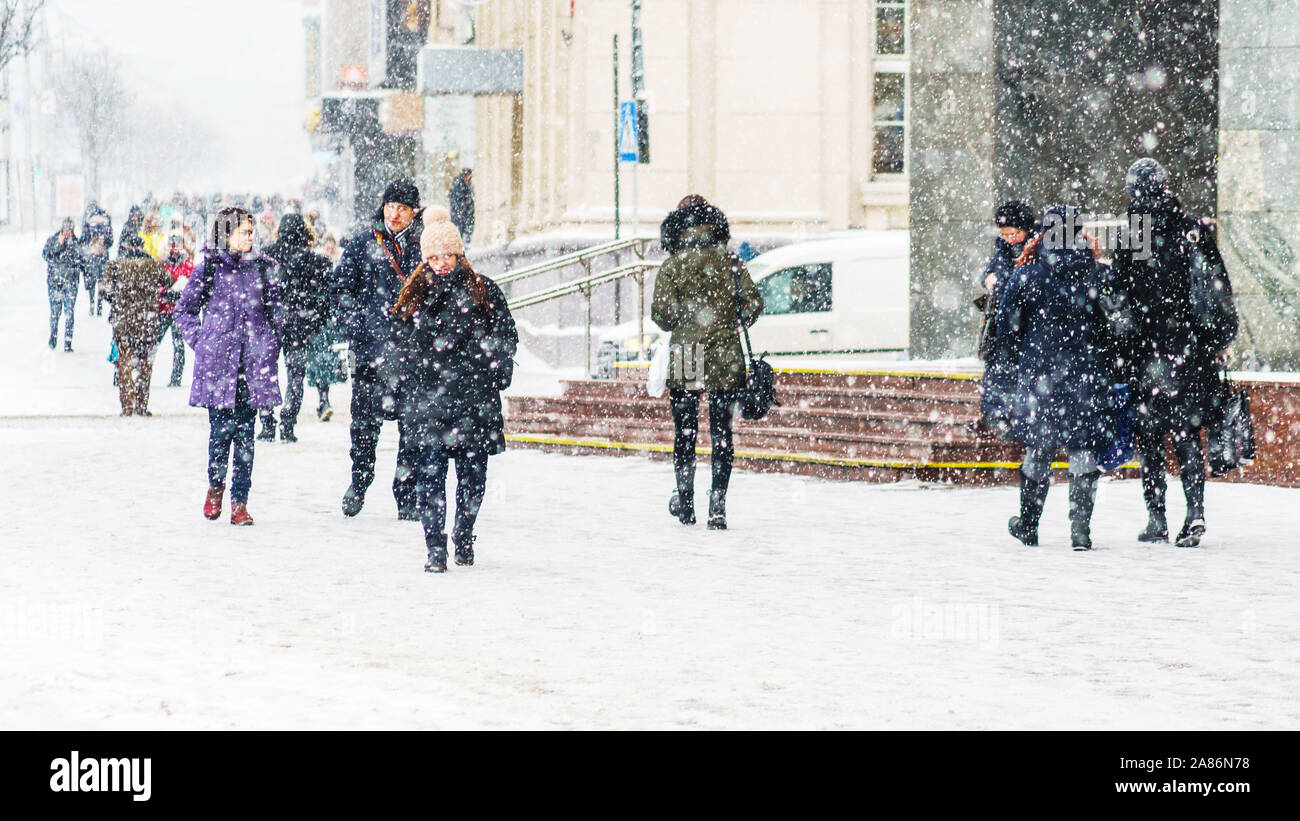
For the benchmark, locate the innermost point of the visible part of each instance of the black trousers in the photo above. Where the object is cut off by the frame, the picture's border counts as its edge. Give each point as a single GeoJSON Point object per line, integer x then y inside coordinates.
{"type": "Point", "coordinates": [367, 421]}
{"type": "Point", "coordinates": [1191, 466]}
{"type": "Point", "coordinates": [686, 423]}
{"type": "Point", "coordinates": [471, 484]}
{"type": "Point", "coordinates": [229, 428]}
{"type": "Point", "coordinates": [167, 322]}
{"type": "Point", "coordinates": [295, 369]}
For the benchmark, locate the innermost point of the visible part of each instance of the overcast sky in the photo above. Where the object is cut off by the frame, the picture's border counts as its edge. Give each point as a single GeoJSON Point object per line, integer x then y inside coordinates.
{"type": "Point", "coordinates": [236, 63]}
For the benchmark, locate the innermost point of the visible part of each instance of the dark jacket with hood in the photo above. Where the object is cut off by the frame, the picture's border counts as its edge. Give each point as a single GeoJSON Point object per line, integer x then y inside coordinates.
{"type": "Point", "coordinates": [304, 282]}
{"type": "Point", "coordinates": [64, 261]}
{"type": "Point", "coordinates": [365, 284]}
{"type": "Point", "coordinates": [701, 294]}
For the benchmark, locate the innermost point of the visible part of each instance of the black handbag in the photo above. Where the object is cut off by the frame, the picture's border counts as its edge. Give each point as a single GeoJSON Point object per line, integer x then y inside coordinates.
{"type": "Point", "coordinates": [759, 394]}
{"type": "Point", "coordinates": [1229, 433]}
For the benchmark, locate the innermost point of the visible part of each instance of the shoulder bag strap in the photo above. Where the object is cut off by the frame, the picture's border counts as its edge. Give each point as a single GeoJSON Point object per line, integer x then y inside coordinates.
{"type": "Point", "coordinates": [748, 350]}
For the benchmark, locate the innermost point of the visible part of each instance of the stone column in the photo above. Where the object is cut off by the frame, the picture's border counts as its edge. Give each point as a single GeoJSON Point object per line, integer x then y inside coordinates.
{"type": "Point", "coordinates": [950, 166]}
{"type": "Point", "coordinates": [1259, 176]}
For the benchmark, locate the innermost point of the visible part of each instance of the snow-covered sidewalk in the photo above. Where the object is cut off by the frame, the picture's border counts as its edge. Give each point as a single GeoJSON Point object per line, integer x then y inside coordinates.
{"type": "Point", "coordinates": [827, 605]}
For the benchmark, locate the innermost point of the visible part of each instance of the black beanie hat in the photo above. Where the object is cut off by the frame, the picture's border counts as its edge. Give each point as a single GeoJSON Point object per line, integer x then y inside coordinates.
{"type": "Point", "coordinates": [1014, 214]}
{"type": "Point", "coordinates": [401, 191]}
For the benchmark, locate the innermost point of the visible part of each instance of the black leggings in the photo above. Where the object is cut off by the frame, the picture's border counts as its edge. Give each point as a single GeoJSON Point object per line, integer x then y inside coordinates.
{"type": "Point", "coordinates": [686, 423]}
{"type": "Point", "coordinates": [1191, 467]}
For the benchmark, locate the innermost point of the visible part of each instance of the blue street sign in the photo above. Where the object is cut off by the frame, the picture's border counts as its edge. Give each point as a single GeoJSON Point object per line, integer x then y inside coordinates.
{"type": "Point", "coordinates": [627, 131]}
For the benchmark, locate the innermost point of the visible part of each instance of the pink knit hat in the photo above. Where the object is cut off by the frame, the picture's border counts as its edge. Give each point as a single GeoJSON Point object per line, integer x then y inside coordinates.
{"type": "Point", "coordinates": [440, 237]}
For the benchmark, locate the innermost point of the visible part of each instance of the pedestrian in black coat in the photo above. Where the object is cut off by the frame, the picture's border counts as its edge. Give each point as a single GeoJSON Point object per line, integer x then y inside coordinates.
{"type": "Point", "coordinates": [64, 265]}
{"type": "Point", "coordinates": [1171, 361]}
{"type": "Point", "coordinates": [364, 286]}
{"type": "Point", "coordinates": [1051, 323]}
{"type": "Point", "coordinates": [304, 289]}
{"type": "Point", "coordinates": [458, 357]}
{"type": "Point", "coordinates": [1016, 226]}
{"type": "Point", "coordinates": [460, 199]}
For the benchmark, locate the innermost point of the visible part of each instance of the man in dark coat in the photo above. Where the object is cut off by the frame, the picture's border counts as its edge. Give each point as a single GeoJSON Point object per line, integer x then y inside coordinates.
{"type": "Point", "coordinates": [64, 263]}
{"type": "Point", "coordinates": [96, 240]}
{"type": "Point", "coordinates": [1171, 357]}
{"type": "Point", "coordinates": [460, 200]}
{"type": "Point", "coordinates": [1016, 227]}
{"type": "Point", "coordinates": [305, 289]}
{"type": "Point", "coordinates": [365, 286]}
{"type": "Point", "coordinates": [1051, 324]}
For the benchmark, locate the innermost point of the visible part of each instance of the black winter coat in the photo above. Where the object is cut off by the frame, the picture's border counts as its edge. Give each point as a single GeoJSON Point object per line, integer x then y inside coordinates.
{"type": "Point", "coordinates": [304, 289]}
{"type": "Point", "coordinates": [364, 286]}
{"type": "Point", "coordinates": [1173, 374]}
{"type": "Point", "coordinates": [999, 383]}
{"type": "Point", "coordinates": [456, 361]}
{"type": "Point", "coordinates": [1052, 325]}
{"type": "Point", "coordinates": [64, 261]}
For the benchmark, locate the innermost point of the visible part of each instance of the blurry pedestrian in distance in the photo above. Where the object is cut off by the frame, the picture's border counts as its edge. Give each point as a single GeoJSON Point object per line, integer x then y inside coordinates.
{"type": "Point", "coordinates": [155, 241]}
{"type": "Point", "coordinates": [460, 200]}
{"type": "Point", "coordinates": [64, 264]}
{"type": "Point", "coordinates": [132, 284]}
{"type": "Point", "coordinates": [330, 247]}
{"type": "Point", "coordinates": [96, 240]}
{"type": "Point", "coordinates": [304, 279]}
{"type": "Point", "coordinates": [230, 314]}
{"type": "Point", "coordinates": [180, 267]}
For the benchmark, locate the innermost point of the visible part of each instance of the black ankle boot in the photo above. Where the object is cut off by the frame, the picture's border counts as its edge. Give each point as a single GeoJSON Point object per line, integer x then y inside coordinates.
{"type": "Point", "coordinates": [268, 430]}
{"type": "Point", "coordinates": [1083, 496]}
{"type": "Point", "coordinates": [464, 548]}
{"type": "Point", "coordinates": [437, 561]}
{"type": "Point", "coordinates": [682, 507]}
{"type": "Point", "coordinates": [717, 510]}
{"type": "Point", "coordinates": [353, 499]}
{"type": "Point", "coordinates": [286, 432]}
{"type": "Point", "coordinates": [1193, 529]}
{"type": "Point", "coordinates": [1157, 528]}
{"type": "Point", "coordinates": [1033, 495]}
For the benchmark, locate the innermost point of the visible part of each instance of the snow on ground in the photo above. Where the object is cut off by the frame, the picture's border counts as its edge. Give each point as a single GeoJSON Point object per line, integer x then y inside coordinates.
{"type": "Point", "coordinates": [826, 605]}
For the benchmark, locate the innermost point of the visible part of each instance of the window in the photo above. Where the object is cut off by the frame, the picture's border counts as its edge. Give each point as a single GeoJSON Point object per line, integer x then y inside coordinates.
{"type": "Point", "coordinates": [889, 89]}
{"type": "Point", "coordinates": [891, 28]}
{"type": "Point", "coordinates": [802, 289]}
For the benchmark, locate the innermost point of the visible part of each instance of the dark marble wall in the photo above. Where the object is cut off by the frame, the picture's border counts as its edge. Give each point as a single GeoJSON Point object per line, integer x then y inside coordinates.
{"type": "Point", "coordinates": [1046, 101]}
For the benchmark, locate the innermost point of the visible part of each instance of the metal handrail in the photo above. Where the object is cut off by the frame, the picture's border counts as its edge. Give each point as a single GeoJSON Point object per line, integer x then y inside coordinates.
{"type": "Point", "coordinates": [584, 256]}
{"type": "Point", "coordinates": [582, 285]}
{"type": "Point", "coordinates": [585, 285]}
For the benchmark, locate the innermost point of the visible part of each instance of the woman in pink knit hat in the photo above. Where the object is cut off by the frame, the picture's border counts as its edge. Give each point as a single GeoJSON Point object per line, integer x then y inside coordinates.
{"type": "Point", "coordinates": [462, 342]}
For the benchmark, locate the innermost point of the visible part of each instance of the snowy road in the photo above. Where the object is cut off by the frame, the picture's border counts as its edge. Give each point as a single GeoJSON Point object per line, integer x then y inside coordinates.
{"type": "Point", "coordinates": [827, 605]}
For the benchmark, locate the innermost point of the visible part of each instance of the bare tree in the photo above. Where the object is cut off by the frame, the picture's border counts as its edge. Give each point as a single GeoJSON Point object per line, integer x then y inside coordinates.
{"type": "Point", "coordinates": [17, 28]}
{"type": "Point", "coordinates": [90, 90]}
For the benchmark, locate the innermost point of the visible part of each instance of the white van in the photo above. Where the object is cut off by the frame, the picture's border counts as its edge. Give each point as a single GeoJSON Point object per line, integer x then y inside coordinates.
{"type": "Point", "coordinates": [844, 294]}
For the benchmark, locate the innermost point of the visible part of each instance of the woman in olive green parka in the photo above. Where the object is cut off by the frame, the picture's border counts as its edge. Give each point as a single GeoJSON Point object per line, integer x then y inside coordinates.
{"type": "Point", "coordinates": [701, 293]}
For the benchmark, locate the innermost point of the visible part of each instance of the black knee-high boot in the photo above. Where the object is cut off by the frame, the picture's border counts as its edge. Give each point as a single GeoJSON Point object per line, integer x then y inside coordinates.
{"type": "Point", "coordinates": [1083, 496]}
{"type": "Point", "coordinates": [1033, 495]}
{"type": "Point", "coordinates": [1152, 461]}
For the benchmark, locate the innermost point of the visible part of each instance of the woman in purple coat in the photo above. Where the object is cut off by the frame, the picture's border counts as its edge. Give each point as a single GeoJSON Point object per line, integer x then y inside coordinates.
{"type": "Point", "coordinates": [230, 313]}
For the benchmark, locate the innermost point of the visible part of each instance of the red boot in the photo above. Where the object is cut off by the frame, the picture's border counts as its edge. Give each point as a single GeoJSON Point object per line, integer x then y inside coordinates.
{"type": "Point", "coordinates": [239, 514]}
{"type": "Point", "coordinates": [212, 506]}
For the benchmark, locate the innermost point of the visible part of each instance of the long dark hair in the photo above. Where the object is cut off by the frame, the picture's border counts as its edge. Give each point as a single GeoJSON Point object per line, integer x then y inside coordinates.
{"type": "Point", "coordinates": [416, 290]}
{"type": "Point", "coordinates": [226, 222]}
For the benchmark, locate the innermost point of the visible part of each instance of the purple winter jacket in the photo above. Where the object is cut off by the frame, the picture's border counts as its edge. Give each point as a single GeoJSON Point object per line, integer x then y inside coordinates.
{"type": "Point", "coordinates": [234, 297]}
